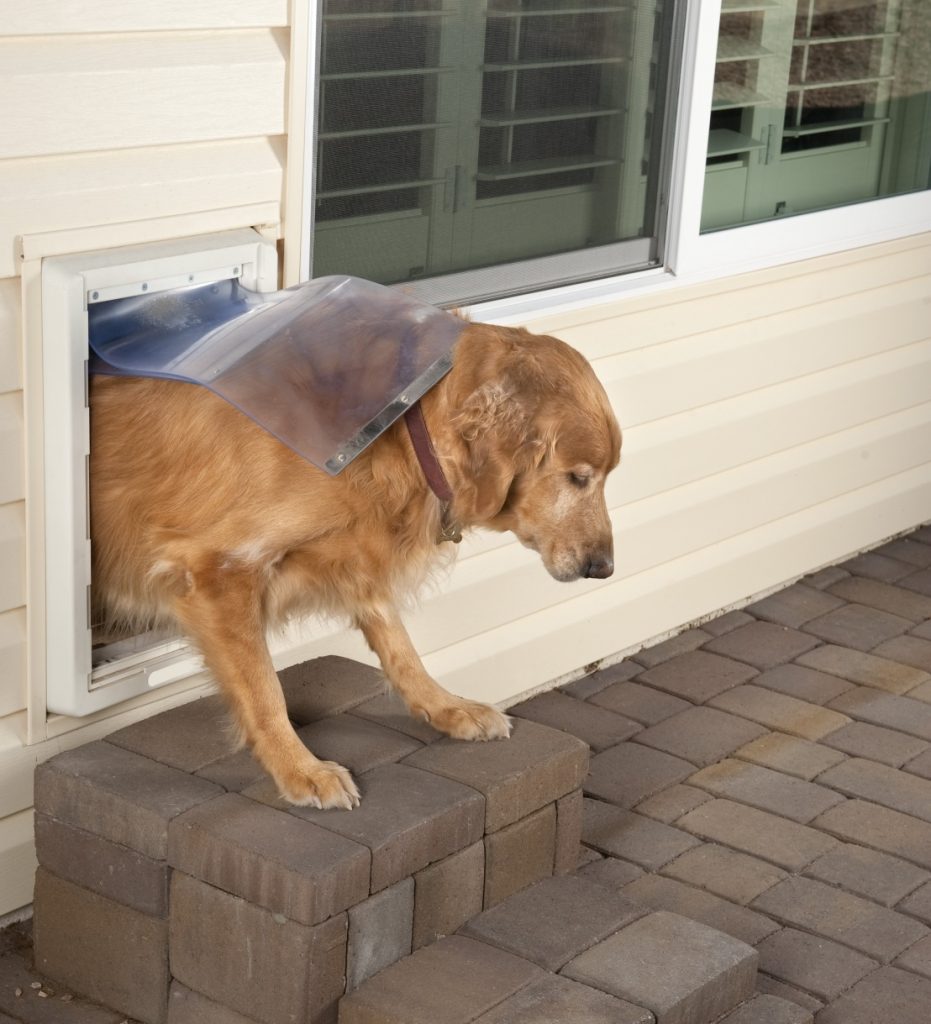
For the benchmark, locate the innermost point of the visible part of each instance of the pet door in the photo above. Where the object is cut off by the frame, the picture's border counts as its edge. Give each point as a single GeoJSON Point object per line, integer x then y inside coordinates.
{"type": "Point", "coordinates": [87, 671]}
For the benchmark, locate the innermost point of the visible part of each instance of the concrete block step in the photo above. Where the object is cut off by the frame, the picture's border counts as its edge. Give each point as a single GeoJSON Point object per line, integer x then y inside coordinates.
{"type": "Point", "coordinates": [566, 950]}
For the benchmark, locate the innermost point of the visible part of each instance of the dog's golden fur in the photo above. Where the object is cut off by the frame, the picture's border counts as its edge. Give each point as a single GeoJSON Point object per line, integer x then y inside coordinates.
{"type": "Point", "coordinates": [203, 519]}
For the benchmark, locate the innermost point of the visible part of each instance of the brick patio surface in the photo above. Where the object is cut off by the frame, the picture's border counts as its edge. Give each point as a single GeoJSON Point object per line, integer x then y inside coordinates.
{"type": "Point", "coordinates": [755, 824]}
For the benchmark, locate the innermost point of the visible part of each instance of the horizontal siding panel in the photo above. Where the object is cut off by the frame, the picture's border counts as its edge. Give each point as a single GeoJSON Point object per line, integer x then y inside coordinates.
{"type": "Point", "coordinates": [65, 192]}
{"type": "Point", "coordinates": [12, 480]}
{"type": "Point", "coordinates": [688, 373]}
{"type": "Point", "coordinates": [12, 555]}
{"type": "Point", "coordinates": [67, 94]}
{"type": "Point", "coordinates": [40, 17]}
{"type": "Point", "coordinates": [11, 374]}
{"type": "Point", "coordinates": [12, 661]}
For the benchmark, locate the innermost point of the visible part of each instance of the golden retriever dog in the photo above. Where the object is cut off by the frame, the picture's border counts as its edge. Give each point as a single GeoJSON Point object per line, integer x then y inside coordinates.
{"type": "Point", "coordinates": [202, 519]}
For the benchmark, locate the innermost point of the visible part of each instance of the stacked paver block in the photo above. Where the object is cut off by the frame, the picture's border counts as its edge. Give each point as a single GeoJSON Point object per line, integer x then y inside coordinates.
{"type": "Point", "coordinates": [174, 883]}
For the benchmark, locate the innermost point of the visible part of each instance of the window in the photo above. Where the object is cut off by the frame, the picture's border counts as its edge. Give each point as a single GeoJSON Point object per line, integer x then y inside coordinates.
{"type": "Point", "coordinates": [453, 136]}
{"type": "Point", "coordinates": [476, 150]}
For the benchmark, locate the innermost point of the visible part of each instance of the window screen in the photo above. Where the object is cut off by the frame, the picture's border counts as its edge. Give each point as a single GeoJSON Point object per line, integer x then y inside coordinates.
{"type": "Point", "coordinates": [817, 103]}
{"type": "Point", "coordinates": [454, 136]}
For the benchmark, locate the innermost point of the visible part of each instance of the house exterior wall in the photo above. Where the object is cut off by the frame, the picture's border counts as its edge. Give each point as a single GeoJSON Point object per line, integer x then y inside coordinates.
{"type": "Point", "coordinates": [774, 421]}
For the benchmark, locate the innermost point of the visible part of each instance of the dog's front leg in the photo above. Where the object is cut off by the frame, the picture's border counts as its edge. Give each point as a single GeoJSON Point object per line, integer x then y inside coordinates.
{"type": "Point", "coordinates": [425, 698]}
{"type": "Point", "coordinates": [220, 609]}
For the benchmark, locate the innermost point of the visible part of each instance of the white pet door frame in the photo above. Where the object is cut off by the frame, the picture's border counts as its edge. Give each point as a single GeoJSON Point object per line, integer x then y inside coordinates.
{"type": "Point", "coordinates": [130, 667]}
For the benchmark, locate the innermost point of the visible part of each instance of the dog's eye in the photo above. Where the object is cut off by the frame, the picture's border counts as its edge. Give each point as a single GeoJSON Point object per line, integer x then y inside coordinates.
{"type": "Point", "coordinates": [579, 480]}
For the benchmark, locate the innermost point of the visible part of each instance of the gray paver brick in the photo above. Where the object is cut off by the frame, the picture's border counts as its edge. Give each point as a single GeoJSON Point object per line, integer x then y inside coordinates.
{"type": "Point", "coordinates": [698, 676]}
{"type": "Point", "coordinates": [884, 597]}
{"type": "Point", "coordinates": [881, 784]}
{"type": "Point", "coordinates": [860, 739]}
{"type": "Point", "coordinates": [677, 968]}
{"type": "Point", "coordinates": [766, 1009]}
{"type": "Point", "coordinates": [688, 640]}
{"type": "Point", "coordinates": [641, 703]}
{"type": "Point", "coordinates": [270, 858]}
{"type": "Point", "coordinates": [907, 650]}
{"type": "Point", "coordinates": [918, 958]}
{"type": "Point", "coordinates": [233, 773]}
{"type": "Point", "coordinates": [734, 876]}
{"type": "Point", "coordinates": [588, 686]}
{"type": "Point", "coordinates": [536, 766]}
{"type": "Point", "coordinates": [790, 754]}
{"type": "Point", "coordinates": [762, 644]}
{"type": "Point", "coordinates": [610, 871]}
{"type": "Point", "coordinates": [924, 630]}
{"type": "Point", "coordinates": [901, 713]}
{"type": "Point", "coordinates": [780, 713]}
{"type": "Point", "coordinates": [766, 789]}
{"type": "Point", "coordinates": [110, 953]}
{"type": "Point", "coordinates": [554, 920]}
{"type": "Point", "coordinates": [448, 893]}
{"type": "Point", "coordinates": [597, 727]}
{"type": "Point", "coordinates": [919, 581]}
{"type": "Point", "coordinates": [327, 686]}
{"type": "Point", "coordinates": [921, 765]}
{"type": "Point", "coordinates": [803, 683]}
{"type": "Point", "coordinates": [870, 999]}
{"type": "Point", "coordinates": [555, 1000]}
{"type": "Point", "coordinates": [451, 982]}
{"type": "Point", "coordinates": [389, 710]}
{"type": "Point", "coordinates": [307, 964]}
{"type": "Point", "coordinates": [631, 836]}
{"type": "Point", "coordinates": [727, 622]}
{"type": "Point", "coordinates": [119, 795]}
{"type": "Point", "coordinates": [881, 828]}
{"type": "Point", "coordinates": [865, 669]}
{"type": "Point", "coordinates": [794, 606]}
{"type": "Point", "coordinates": [907, 549]}
{"type": "Point", "coordinates": [918, 904]}
{"type": "Point", "coordinates": [568, 833]}
{"type": "Point", "coordinates": [878, 567]}
{"type": "Point", "coordinates": [855, 625]}
{"type": "Point", "coordinates": [357, 743]}
{"type": "Point", "coordinates": [877, 876]}
{"type": "Point", "coordinates": [188, 1007]}
{"type": "Point", "coordinates": [813, 963]}
{"type": "Point", "coordinates": [782, 842]}
{"type": "Point", "coordinates": [630, 772]}
{"type": "Point", "coordinates": [700, 735]}
{"type": "Point", "coordinates": [813, 906]}
{"type": "Point", "coordinates": [380, 932]}
{"type": "Point", "coordinates": [519, 854]}
{"type": "Point", "coordinates": [408, 819]}
{"type": "Point", "coordinates": [773, 986]}
{"type": "Point", "coordinates": [824, 578]}
{"type": "Point", "coordinates": [662, 893]}
{"type": "Point", "coordinates": [672, 803]}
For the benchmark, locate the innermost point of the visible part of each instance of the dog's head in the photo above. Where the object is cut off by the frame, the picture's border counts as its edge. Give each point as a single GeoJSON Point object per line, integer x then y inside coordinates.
{"type": "Point", "coordinates": [539, 439]}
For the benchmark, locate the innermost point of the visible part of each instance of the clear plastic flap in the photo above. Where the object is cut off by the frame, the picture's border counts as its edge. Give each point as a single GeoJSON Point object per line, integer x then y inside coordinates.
{"type": "Point", "coordinates": [326, 366]}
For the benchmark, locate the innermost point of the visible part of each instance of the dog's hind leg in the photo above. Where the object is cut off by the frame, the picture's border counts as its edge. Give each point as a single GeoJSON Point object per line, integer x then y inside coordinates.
{"type": "Point", "coordinates": [219, 607]}
{"type": "Point", "coordinates": [425, 698]}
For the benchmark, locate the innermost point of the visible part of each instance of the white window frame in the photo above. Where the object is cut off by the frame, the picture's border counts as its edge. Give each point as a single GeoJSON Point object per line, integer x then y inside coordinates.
{"type": "Point", "coordinates": [690, 256]}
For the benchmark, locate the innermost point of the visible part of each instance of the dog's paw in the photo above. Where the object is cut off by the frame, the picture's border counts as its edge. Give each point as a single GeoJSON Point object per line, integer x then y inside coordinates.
{"type": "Point", "coordinates": [326, 785]}
{"type": "Point", "coordinates": [469, 720]}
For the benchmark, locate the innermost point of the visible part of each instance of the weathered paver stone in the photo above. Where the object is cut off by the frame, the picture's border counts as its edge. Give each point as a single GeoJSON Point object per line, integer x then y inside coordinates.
{"type": "Point", "coordinates": [919, 903]}
{"type": "Point", "coordinates": [909, 549]}
{"type": "Point", "coordinates": [860, 739]}
{"type": "Point", "coordinates": [114, 871]}
{"type": "Point", "coordinates": [701, 735]}
{"type": "Point", "coordinates": [389, 710]}
{"type": "Point", "coordinates": [270, 858]}
{"type": "Point", "coordinates": [672, 803]}
{"type": "Point", "coordinates": [782, 842]}
{"type": "Point", "coordinates": [918, 958]}
{"type": "Point", "coordinates": [308, 964]}
{"type": "Point", "coordinates": [519, 854]}
{"type": "Point", "coordinates": [698, 676]}
{"type": "Point", "coordinates": [555, 1000]}
{"type": "Point", "coordinates": [765, 1009]}
{"type": "Point", "coordinates": [762, 644]}
{"type": "Point", "coordinates": [824, 578]}
{"type": "Point", "coordinates": [881, 784]}
{"type": "Point", "coordinates": [119, 795]}
{"type": "Point", "coordinates": [901, 713]}
{"type": "Point", "coordinates": [327, 686]}
{"type": "Point", "coordinates": [188, 1007]}
{"type": "Point", "coordinates": [357, 743]}
{"type": "Point", "coordinates": [630, 772]}
{"type": "Point", "coordinates": [661, 893]}
{"type": "Point", "coordinates": [568, 833]}
{"type": "Point", "coordinates": [454, 981]}
{"type": "Point", "coordinates": [871, 999]}
{"type": "Point", "coordinates": [447, 894]}
{"type": "Point", "coordinates": [790, 754]}
{"type": "Point", "coordinates": [765, 789]}
{"type": "Point", "coordinates": [855, 625]}
{"type": "Point", "coordinates": [920, 765]}
{"type": "Point", "coordinates": [588, 686]}
{"type": "Point", "coordinates": [554, 920]}
{"type": "Point", "coordinates": [813, 963]}
{"type": "Point", "coordinates": [641, 703]}
{"type": "Point", "coordinates": [803, 683]}
{"type": "Point", "coordinates": [871, 825]}
{"type": "Point", "coordinates": [884, 597]}
{"type": "Point", "coordinates": [233, 773]}
{"type": "Point", "coordinates": [677, 968]}
{"type": "Point", "coordinates": [631, 836]}
{"type": "Point", "coordinates": [878, 567]}
{"type": "Point", "coordinates": [865, 669]}
{"type": "Point", "coordinates": [597, 727]}
{"type": "Point", "coordinates": [877, 876]}
{"type": "Point", "coordinates": [380, 932]}
{"type": "Point", "coordinates": [794, 606]}
{"type": "Point", "coordinates": [907, 650]}
{"type": "Point", "coordinates": [610, 871]}
{"type": "Point", "coordinates": [408, 819]}
{"type": "Point", "coordinates": [780, 713]}
{"type": "Point", "coordinates": [536, 766]}
{"type": "Point", "coordinates": [681, 643]}
{"type": "Point", "coordinates": [919, 581]}
{"type": "Point", "coordinates": [727, 622]}
{"type": "Point", "coordinates": [813, 906]}
{"type": "Point", "coordinates": [110, 953]}
{"type": "Point", "coordinates": [735, 876]}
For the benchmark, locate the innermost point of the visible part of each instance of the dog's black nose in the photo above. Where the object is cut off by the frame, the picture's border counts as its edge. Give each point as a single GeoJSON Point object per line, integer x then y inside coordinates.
{"type": "Point", "coordinates": [599, 567]}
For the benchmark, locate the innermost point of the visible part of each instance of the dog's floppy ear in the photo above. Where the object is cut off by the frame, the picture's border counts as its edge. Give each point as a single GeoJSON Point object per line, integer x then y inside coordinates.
{"type": "Point", "coordinates": [495, 425]}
